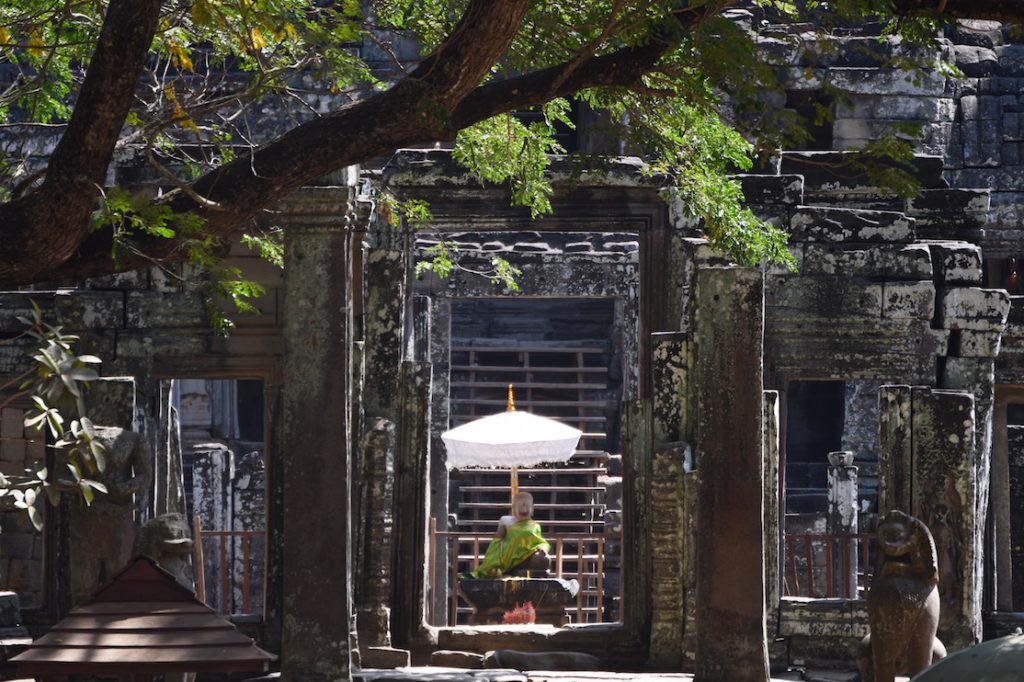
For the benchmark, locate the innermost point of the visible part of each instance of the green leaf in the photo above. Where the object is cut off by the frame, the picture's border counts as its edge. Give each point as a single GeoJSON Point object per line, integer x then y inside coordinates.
{"type": "Point", "coordinates": [86, 490]}
{"type": "Point", "coordinates": [36, 518]}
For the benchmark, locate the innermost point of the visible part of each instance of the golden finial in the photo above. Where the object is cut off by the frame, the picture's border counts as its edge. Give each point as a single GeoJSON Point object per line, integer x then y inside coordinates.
{"type": "Point", "coordinates": [511, 407]}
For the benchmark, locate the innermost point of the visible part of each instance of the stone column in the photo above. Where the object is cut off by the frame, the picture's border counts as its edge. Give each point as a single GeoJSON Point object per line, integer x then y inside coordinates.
{"type": "Point", "coordinates": [668, 532]}
{"type": "Point", "coordinates": [212, 467]}
{"type": "Point", "coordinates": [316, 456]}
{"type": "Point", "coordinates": [944, 496]}
{"type": "Point", "coordinates": [731, 630]}
{"type": "Point", "coordinates": [384, 340]}
{"type": "Point", "coordinates": [373, 613]}
{"type": "Point", "coordinates": [670, 371]}
{"type": "Point", "coordinates": [842, 522]}
{"type": "Point", "coordinates": [894, 456]}
{"type": "Point", "coordinates": [412, 464]}
{"type": "Point", "coordinates": [273, 610]}
{"type": "Point", "coordinates": [772, 535]}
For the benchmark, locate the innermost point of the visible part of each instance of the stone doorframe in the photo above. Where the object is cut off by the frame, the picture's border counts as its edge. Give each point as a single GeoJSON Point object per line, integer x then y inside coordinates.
{"type": "Point", "coordinates": [1001, 598]}
{"type": "Point", "coordinates": [619, 201]}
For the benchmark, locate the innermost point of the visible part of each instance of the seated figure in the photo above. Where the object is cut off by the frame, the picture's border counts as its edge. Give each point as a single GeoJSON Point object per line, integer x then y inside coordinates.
{"type": "Point", "coordinates": [517, 543]}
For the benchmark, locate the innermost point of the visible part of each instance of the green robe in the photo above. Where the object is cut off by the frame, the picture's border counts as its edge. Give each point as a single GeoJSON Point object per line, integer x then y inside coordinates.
{"type": "Point", "coordinates": [521, 540]}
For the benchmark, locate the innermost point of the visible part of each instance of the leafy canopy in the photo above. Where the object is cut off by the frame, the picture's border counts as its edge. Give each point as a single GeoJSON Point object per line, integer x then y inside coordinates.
{"type": "Point", "coordinates": [224, 77]}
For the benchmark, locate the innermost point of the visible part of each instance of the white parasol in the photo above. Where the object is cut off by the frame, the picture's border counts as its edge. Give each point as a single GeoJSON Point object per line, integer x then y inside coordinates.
{"type": "Point", "coordinates": [510, 439]}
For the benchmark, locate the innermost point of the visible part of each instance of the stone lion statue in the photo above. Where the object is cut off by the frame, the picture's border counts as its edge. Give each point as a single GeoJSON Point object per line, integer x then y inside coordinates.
{"type": "Point", "coordinates": [903, 604]}
{"type": "Point", "coordinates": [167, 540]}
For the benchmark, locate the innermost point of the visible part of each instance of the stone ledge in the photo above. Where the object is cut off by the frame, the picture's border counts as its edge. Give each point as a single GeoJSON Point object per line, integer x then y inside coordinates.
{"type": "Point", "coordinates": [814, 224]}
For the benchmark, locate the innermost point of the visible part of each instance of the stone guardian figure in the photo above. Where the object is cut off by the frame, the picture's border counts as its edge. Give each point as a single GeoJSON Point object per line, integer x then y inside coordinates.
{"type": "Point", "coordinates": [167, 540]}
{"type": "Point", "coordinates": [102, 534]}
{"type": "Point", "coordinates": [903, 604]}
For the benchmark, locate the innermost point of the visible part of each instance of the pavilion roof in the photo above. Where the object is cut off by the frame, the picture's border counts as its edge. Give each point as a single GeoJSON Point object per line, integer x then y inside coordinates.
{"type": "Point", "coordinates": [144, 622]}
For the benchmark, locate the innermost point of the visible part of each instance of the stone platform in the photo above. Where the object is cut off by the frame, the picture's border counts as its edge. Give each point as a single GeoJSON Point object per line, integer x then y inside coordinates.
{"type": "Point", "coordinates": [439, 674]}
{"type": "Point", "coordinates": [492, 597]}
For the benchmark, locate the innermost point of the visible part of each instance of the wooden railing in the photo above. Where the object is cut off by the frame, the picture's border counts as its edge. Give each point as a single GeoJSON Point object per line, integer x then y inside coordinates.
{"type": "Point", "coordinates": [575, 555]}
{"type": "Point", "coordinates": [826, 565]}
{"type": "Point", "coordinates": [225, 579]}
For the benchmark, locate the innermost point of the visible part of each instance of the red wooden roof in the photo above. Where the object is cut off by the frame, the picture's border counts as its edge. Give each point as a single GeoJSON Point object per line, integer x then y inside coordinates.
{"type": "Point", "coordinates": [143, 621]}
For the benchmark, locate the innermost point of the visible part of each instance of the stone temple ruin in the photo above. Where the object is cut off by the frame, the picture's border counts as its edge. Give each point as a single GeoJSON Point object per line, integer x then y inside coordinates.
{"type": "Point", "coordinates": [744, 429]}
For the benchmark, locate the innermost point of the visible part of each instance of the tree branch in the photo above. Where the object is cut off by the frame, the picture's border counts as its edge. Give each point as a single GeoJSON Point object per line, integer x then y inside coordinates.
{"type": "Point", "coordinates": [78, 166]}
{"type": "Point", "coordinates": [417, 109]}
{"type": "Point", "coordinates": [993, 10]}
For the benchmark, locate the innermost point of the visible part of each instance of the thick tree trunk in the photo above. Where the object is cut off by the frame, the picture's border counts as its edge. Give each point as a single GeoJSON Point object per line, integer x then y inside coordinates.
{"type": "Point", "coordinates": [45, 236]}
{"type": "Point", "coordinates": [42, 230]}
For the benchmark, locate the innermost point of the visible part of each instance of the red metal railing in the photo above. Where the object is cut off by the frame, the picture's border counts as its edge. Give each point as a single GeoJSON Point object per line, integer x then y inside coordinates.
{"type": "Point", "coordinates": [224, 579]}
{"type": "Point", "coordinates": [821, 565]}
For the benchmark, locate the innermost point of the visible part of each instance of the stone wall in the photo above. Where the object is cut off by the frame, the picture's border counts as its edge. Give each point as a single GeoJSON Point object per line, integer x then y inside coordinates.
{"type": "Point", "coordinates": [149, 325]}
{"type": "Point", "coordinates": [21, 546]}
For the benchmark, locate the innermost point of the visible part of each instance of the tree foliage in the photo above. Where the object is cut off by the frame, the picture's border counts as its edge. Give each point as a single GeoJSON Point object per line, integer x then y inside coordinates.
{"type": "Point", "coordinates": [232, 104]}
{"type": "Point", "coordinates": [55, 384]}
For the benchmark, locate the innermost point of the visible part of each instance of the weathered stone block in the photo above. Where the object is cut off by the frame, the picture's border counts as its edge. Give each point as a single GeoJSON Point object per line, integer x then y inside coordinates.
{"type": "Point", "coordinates": [17, 545]}
{"type": "Point", "coordinates": [829, 173]}
{"type": "Point", "coordinates": [167, 343]}
{"type": "Point", "coordinates": [825, 296]}
{"type": "Point", "coordinates": [957, 262]}
{"type": "Point", "coordinates": [12, 450]}
{"type": "Point", "coordinates": [79, 309]}
{"type": "Point", "coordinates": [950, 203]}
{"type": "Point", "coordinates": [822, 618]}
{"type": "Point", "coordinates": [810, 224]}
{"type": "Point", "coordinates": [913, 300]}
{"type": "Point", "coordinates": [1010, 153]}
{"type": "Point", "coordinates": [969, 374]}
{"type": "Point", "coordinates": [979, 344]}
{"type": "Point", "coordinates": [10, 610]}
{"type": "Point", "coordinates": [974, 308]}
{"type": "Point", "coordinates": [147, 310]}
{"type": "Point", "coordinates": [887, 81]}
{"type": "Point", "coordinates": [907, 262]}
{"type": "Point", "coordinates": [898, 108]}
{"type": "Point", "coordinates": [1011, 60]}
{"type": "Point", "coordinates": [991, 133]}
{"type": "Point", "coordinates": [978, 32]}
{"type": "Point", "coordinates": [989, 108]}
{"type": "Point", "coordinates": [969, 107]}
{"type": "Point", "coordinates": [772, 189]}
{"type": "Point", "coordinates": [975, 61]}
